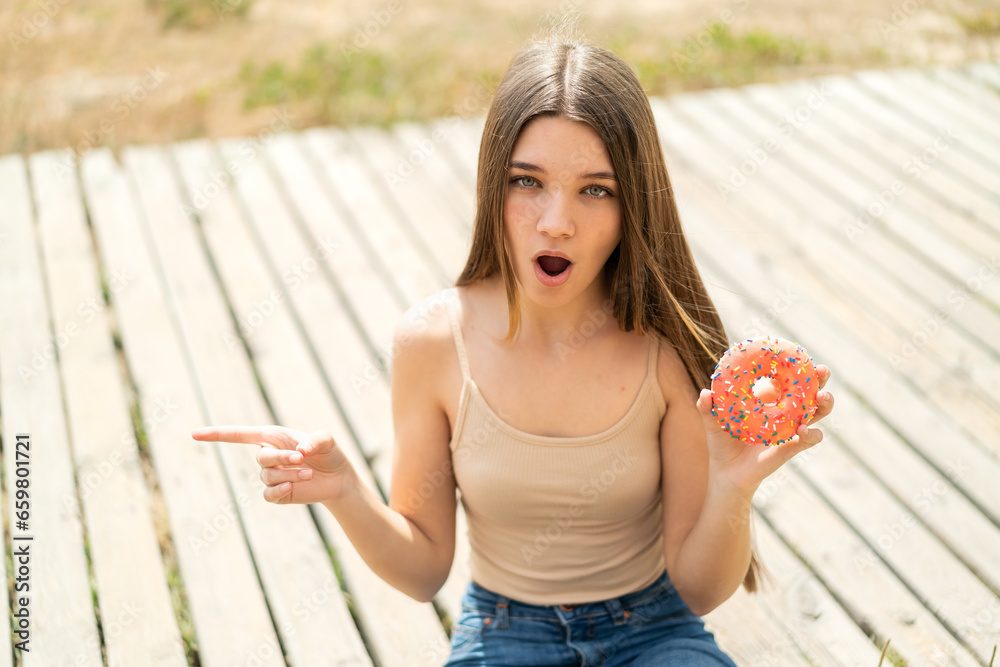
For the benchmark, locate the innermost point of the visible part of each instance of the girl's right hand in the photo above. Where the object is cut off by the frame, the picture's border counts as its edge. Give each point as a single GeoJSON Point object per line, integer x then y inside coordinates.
{"type": "Point", "coordinates": [296, 467]}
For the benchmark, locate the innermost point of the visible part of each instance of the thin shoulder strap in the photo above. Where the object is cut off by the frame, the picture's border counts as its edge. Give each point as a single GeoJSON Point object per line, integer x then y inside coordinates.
{"type": "Point", "coordinates": [655, 342]}
{"type": "Point", "coordinates": [456, 330]}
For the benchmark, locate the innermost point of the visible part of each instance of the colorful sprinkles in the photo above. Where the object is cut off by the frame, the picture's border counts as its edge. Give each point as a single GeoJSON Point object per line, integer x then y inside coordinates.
{"type": "Point", "coordinates": [744, 415]}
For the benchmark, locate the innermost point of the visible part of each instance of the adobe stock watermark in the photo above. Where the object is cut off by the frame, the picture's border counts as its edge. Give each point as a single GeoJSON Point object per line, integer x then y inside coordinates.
{"type": "Point", "coordinates": [768, 489]}
{"type": "Point", "coordinates": [694, 46]}
{"type": "Point", "coordinates": [915, 166]}
{"type": "Point", "coordinates": [32, 26]}
{"type": "Point", "coordinates": [432, 652]}
{"type": "Point", "coordinates": [166, 651]}
{"type": "Point", "coordinates": [417, 320]}
{"type": "Point", "coordinates": [762, 150]}
{"type": "Point", "coordinates": [985, 621]}
{"type": "Point", "coordinates": [88, 310]}
{"type": "Point", "coordinates": [377, 21]}
{"type": "Point", "coordinates": [423, 149]}
{"type": "Point", "coordinates": [805, 597]}
{"type": "Point", "coordinates": [226, 516]}
{"type": "Point", "coordinates": [92, 477]}
{"type": "Point", "coordinates": [922, 501]}
{"type": "Point", "coordinates": [595, 319]}
{"type": "Point", "coordinates": [248, 150]}
{"type": "Point", "coordinates": [293, 277]}
{"type": "Point", "coordinates": [119, 110]}
{"type": "Point", "coordinates": [590, 491]}
{"type": "Point", "coordinates": [302, 610]}
{"type": "Point", "coordinates": [902, 12]}
{"type": "Point", "coordinates": [761, 325]}
{"type": "Point", "coordinates": [435, 479]}
{"type": "Point", "coordinates": [957, 297]}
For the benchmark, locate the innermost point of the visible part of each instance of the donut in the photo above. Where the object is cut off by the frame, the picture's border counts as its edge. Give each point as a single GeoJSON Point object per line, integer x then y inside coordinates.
{"type": "Point", "coordinates": [763, 389]}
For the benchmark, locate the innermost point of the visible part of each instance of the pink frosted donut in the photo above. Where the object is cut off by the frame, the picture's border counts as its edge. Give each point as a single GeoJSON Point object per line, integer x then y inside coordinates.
{"type": "Point", "coordinates": [763, 389]}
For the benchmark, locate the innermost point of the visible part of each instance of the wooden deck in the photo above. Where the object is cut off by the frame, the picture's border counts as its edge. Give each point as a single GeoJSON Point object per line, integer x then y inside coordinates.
{"type": "Point", "coordinates": [859, 216]}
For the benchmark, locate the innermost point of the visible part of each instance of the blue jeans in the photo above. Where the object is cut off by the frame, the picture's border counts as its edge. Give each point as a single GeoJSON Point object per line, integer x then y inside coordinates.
{"type": "Point", "coordinates": [652, 626]}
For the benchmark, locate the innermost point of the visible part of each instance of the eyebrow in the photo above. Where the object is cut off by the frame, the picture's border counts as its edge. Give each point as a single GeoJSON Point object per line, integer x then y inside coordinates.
{"type": "Point", "coordinates": [527, 166]}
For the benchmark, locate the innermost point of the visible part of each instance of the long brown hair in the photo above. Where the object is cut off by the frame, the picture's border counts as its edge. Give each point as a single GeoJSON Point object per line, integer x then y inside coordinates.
{"type": "Point", "coordinates": [654, 283]}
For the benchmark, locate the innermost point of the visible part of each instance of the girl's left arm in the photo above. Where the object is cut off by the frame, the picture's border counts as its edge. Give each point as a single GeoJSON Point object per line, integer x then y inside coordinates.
{"type": "Point", "coordinates": [709, 479]}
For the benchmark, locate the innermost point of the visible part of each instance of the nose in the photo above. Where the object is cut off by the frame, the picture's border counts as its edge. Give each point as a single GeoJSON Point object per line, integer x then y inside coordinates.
{"type": "Point", "coordinates": [555, 215]}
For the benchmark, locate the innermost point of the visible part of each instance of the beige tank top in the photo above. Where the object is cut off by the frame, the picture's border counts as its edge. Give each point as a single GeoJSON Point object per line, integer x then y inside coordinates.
{"type": "Point", "coordinates": [560, 520]}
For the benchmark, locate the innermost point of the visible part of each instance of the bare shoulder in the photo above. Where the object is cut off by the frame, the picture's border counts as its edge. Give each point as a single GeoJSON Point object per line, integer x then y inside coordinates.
{"type": "Point", "coordinates": [675, 383]}
{"type": "Point", "coordinates": [427, 322]}
{"type": "Point", "coordinates": [422, 339]}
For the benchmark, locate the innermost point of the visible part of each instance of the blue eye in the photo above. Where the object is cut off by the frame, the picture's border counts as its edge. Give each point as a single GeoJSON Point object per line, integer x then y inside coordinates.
{"type": "Point", "coordinates": [605, 192]}
{"type": "Point", "coordinates": [592, 191]}
{"type": "Point", "coordinates": [517, 179]}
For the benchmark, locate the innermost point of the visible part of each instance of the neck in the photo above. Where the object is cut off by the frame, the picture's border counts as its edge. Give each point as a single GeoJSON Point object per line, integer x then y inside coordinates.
{"type": "Point", "coordinates": [552, 328]}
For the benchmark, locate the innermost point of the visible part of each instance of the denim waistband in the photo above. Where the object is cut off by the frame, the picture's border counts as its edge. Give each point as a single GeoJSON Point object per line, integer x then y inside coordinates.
{"type": "Point", "coordinates": [487, 600]}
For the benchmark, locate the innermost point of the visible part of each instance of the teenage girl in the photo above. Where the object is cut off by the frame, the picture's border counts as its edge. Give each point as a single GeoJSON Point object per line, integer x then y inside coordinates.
{"type": "Point", "coordinates": [558, 392]}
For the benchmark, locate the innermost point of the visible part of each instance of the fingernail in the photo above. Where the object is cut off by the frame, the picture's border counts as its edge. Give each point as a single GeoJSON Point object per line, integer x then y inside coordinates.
{"type": "Point", "coordinates": [295, 457]}
{"type": "Point", "coordinates": [305, 474]}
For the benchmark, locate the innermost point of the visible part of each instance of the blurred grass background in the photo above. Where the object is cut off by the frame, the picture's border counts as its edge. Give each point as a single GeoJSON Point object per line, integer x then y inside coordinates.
{"type": "Point", "coordinates": [89, 73]}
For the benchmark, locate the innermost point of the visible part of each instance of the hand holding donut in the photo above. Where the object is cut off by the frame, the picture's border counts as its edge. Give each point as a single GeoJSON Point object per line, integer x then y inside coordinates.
{"type": "Point", "coordinates": [766, 392]}
{"type": "Point", "coordinates": [296, 467]}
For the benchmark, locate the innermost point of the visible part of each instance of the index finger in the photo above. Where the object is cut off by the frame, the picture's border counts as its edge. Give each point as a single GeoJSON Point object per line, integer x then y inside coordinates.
{"type": "Point", "coordinates": [253, 435]}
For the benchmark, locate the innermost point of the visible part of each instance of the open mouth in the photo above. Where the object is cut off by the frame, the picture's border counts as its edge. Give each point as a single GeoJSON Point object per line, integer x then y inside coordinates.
{"type": "Point", "coordinates": [553, 266]}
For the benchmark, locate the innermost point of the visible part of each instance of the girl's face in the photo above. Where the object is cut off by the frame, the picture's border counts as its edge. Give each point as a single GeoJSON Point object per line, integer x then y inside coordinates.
{"type": "Point", "coordinates": [561, 213]}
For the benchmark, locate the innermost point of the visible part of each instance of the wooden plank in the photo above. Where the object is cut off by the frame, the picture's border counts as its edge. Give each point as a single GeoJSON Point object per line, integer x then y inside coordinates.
{"type": "Point", "coordinates": [882, 389]}
{"type": "Point", "coordinates": [402, 254]}
{"type": "Point", "coordinates": [935, 575]}
{"type": "Point", "coordinates": [950, 190]}
{"type": "Point", "coordinates": [957, 94]}
{"type": "Point", "coordinates": [899, 134]}
{"type": "Point", "coordinates": [354, 367]}
{"type": "Point", "coordinates": [223, 595]}
{"type": "Point", "coordinates": [873, 595]}
{"type": "Point", "coordinates": [63, 625]}
{"type": "Point", "coordinates": [438, 167]}
{"type": "Point", "coordinates": [137, 615]}
{"type": "Point", "coordinates": [398, 629]}
{"type": "Point", "coordinates": [903, 226]}
{"type": "Point", "coordinates": [450, 596]}
{"type": "Point", "coordinates": [807, 201]}
{"type": "Point", "coordinates": [940, 105]}
{"type": "Point", "coordinates": [913, 134]}
{"type": "Point", "coordinates": [936, 186]}
{"type": "Point", "coordinates": [906, 231]}
{"type": "Point", "coordinates": [420, 195]}
{"type": "Point", "coordinates": [897, 536]}
{"type": "Point", "coordinates": [948, 380]}
{"type": "Point", "coordinates": [930, 495]}
{"type": "Point", "coordinates": [295, 571]}
{"type": "Point", "coordinates": [933, 196]}
{"type": "Point", "coordinates": [960, 77]}
{"type": "Point", "coordinates": [755, 277]}
{"type": "Point", "coordinates": [463, 153]}
{"type": "Point", "coordinates": [406, 191]}
{"type": "Point", "coordinates": [986, 74]}
{"type": "Point", "coordinates": [814, 628]}
{"type": "Point", "coordinates": [888, 253]}
{"type": "Point", "coordinates": [851, 314]}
